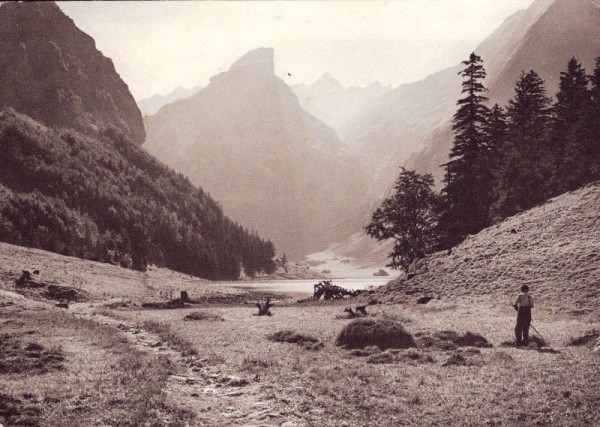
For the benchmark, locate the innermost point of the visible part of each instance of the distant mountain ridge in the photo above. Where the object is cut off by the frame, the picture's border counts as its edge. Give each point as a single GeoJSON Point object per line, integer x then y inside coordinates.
{"type": "Point", "coordinates": [151, 105]}
{"type": "Point", "coordinates": [274, 166]}
{"type": "Point", "coordinates": [335, 105]}
{"type": "Point", "coordinates": [53, 72]}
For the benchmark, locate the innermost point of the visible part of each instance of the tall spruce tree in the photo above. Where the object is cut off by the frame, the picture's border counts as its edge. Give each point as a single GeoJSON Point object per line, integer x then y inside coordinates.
{"type": "Point", "coordinates": [495, 132]}
{"type": "Point", "coordinates": [571, 132]}
{"type": "Point", "coordinates": [523, 180]}
{"type": "Point", "coordinates": [466, 190]}
{"type": "Point", "coordinates": [593, 123]}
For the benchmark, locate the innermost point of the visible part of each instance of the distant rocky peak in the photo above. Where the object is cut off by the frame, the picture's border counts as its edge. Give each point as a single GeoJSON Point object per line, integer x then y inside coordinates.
{"type": "Point", "coordinates": [328, 83]}
{"type": "Point", "coordinates": [260, 59]}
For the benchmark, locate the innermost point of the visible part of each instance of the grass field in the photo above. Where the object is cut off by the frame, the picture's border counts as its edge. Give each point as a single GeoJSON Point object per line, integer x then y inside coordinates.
{"type": "Point", "coordinates": [499, 386]}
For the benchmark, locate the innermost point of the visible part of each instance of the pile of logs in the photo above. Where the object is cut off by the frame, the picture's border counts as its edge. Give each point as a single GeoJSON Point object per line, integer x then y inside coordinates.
{"type": "Point", "coordinates": [329, 291]}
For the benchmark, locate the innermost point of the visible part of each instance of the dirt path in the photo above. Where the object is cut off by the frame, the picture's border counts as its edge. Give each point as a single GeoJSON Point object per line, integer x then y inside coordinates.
{"type": "Point", "coordinates": [216, 397]}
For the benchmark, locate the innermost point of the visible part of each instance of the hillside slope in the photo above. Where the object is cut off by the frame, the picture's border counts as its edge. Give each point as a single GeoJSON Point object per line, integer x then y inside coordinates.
{"type": "Point", "coordinates": [553, 248]}
{"type": "Point", "coordinates": [105, 198]}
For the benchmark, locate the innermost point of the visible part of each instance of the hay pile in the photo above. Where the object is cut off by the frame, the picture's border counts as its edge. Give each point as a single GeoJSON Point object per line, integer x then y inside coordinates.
{"type": "Point", "coordinates": [450, 340]}
{"type": "Point", "coordinates": [200, 315]}
{"type": "Point", "coordinates": [289, 336]}
{"type": "Point", "coordinates": [589, 338]}
{"type": "Point", "coordinates": [384, 334]}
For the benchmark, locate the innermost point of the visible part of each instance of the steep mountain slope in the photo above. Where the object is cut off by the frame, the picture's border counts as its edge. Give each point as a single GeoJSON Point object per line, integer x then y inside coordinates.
{"type": "Point", "coordinates": [335, 105]}
{"type": "Point", "coordinates": [274, 167]}
{"type": "Point", "coordinates": [105, 198]}
{"type": "Point", "coordinates": [553, 248]}
{"type": "Point", "coordinates": [404, 119]}
{"type": "Point", "coordinates": [565, 29]}
{"type": "Point", "coordinates": [151, 105]}
{"type": "Point", "coordinates": [53, 72]}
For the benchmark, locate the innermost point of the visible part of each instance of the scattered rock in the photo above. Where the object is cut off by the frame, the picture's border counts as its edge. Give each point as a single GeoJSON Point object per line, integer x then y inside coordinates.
{"type": "Point", "coordinates": [233, 381]}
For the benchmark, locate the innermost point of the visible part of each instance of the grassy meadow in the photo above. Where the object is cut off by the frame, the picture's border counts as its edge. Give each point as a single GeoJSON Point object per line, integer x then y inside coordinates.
{"type": "Point", "coordinates": [108, 361]}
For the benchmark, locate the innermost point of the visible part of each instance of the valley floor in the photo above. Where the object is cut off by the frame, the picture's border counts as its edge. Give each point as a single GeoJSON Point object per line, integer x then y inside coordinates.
{"type": "Point", "coordinates": [107, 361]}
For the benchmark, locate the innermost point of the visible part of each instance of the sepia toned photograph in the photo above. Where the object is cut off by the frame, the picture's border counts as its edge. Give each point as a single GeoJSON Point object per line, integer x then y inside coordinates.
{"type": "Point", "coordinates": [300, 213]}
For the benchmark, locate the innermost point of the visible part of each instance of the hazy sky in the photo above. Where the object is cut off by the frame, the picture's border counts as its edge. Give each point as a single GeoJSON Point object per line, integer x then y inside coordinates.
{"type": "Point", "coordinates": [157, 46]}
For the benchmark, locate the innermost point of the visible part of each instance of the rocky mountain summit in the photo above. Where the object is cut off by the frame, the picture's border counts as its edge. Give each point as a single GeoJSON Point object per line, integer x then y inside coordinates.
{"type": "Point", "coordinates": [53, 72]}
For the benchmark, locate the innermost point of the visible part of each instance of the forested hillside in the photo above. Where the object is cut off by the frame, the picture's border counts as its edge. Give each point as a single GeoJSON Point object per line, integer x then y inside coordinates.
{"type": "Point", "coordinates": [105, 198]}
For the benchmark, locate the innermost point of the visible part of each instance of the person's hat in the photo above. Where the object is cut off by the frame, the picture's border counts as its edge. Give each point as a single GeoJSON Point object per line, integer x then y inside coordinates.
{"type": "Point", "coordinates": [524, 288]}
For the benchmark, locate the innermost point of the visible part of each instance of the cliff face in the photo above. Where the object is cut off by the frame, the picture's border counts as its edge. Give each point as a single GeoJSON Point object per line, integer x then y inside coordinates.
{"type": "Point", "coordinates": [53, 72]}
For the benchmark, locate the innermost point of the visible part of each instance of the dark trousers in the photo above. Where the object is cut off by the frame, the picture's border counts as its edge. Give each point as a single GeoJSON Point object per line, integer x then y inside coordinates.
{"type": "Point", "coordinates": [522, 328]}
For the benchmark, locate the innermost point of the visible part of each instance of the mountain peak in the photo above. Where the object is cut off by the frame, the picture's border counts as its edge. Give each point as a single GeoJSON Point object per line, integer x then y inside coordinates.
{"type": "Point", "coordinates": [261, 58]}
{"type": "Point", "coordinates": [328, 83]}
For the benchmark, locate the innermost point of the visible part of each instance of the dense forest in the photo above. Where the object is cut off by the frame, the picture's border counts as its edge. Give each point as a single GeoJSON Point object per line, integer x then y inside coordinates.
{"type": "Point", "coordinates": [103, 198]}
{"type": "Point", "coordinates": [504, 160]}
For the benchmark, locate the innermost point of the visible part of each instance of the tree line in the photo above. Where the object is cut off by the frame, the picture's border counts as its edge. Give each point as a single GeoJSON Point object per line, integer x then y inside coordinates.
{"type": "Point", "coordinates": [504, 160]}
{"type": "Point", "coordinates": [106, 199]}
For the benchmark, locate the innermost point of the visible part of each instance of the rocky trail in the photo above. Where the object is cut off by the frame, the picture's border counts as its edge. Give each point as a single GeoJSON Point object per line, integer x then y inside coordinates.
{"type": "Point", "coordinates": [216, 397]}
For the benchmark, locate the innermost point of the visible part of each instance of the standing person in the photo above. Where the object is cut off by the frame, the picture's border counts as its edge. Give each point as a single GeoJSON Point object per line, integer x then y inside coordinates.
{"type": "Point", "coordinates": [523, 306]}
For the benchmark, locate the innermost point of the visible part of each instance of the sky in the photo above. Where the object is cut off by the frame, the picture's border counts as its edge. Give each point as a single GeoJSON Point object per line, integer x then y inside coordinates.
{"type": "Point", "coordinates": [158, 46]}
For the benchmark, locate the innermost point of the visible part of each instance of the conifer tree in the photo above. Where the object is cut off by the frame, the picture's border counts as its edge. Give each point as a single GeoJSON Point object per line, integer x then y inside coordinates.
{"type": "Point", "coordinates": [495, 133]}
{"type": "Point", "coordinates": [593, 123]}
{"type": "Point", "coordinates": [571, 136]}
{"type": "Point", "coordinates": [525, 159]}
{"type": "Point", "coordinates": [466, 191]}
